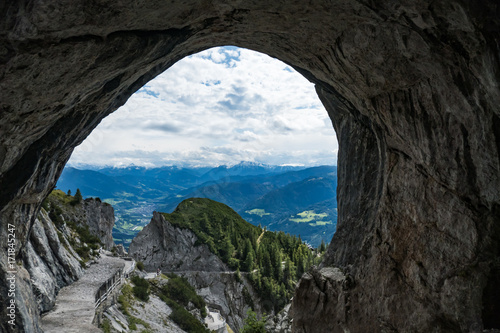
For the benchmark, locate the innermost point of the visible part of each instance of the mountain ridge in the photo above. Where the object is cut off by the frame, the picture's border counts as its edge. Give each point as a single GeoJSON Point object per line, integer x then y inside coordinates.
{"type": "Point", "coordinates": [135, 192]}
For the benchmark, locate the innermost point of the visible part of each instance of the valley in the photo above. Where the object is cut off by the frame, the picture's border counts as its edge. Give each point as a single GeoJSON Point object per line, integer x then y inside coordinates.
{"type": "Point", "coordinates": [296, 200]}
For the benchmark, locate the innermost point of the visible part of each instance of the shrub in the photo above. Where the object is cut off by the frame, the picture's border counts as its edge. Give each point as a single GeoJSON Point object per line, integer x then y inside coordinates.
{"type": "Point", "coordinates": [183, 318]}
{"type": "Point", "coordinates": [106, 326]}
{"type": "Point", "coordinates": [55, 215]}
{"type": "Point", "coordinates": [141, 288]}
{"type": "Point", "coordinates": [125, 298]}
{"type": "Point", "coordinates": [140, 265]}
{"type": "Point", "coordinates": [179, 289]}
{"type": "Point", "coordinates": [254, 325]}
{"type": "Point", "coordinates": [45, 204]}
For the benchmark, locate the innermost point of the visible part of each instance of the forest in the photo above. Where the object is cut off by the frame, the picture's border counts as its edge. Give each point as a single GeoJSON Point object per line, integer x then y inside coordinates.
{"type": "Point", "coordinates": [272, 261]}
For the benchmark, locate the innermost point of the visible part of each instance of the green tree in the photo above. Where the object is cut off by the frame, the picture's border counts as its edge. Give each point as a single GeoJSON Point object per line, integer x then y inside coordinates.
{"type": "Point", "coordinates": [289, 272]}
{"type": "Point", "coordinates": [69, 192]}
{"type": "Point", "coordinates": [78, 198]}
{"type": "Point", "coordinates": [248, 265]}
{"type": "Point", "coordinates": [322, 247]}
{"type": "Point", "coordinates": [253, 324]}
{"type": "Point", "coordinates": [226, 252]}
{"type": "Point", "coordinates": [267, 267]}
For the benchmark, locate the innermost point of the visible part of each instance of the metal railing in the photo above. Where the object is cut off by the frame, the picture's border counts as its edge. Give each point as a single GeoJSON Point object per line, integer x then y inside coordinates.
{"type": "Point", "coordinates": [106, 288]}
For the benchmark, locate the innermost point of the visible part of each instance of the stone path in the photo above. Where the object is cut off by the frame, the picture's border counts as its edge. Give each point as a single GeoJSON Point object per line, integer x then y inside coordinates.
{"type": "Point", "coordinates": [74, 310]}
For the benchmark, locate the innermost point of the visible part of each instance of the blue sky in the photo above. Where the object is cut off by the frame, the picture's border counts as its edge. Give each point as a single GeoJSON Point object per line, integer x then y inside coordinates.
{"type": "Point", "coordinates": [220, 106]}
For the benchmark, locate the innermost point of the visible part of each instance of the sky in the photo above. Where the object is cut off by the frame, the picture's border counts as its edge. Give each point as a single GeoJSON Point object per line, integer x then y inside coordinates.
{"type": "Point", "coordinates": [217, 107]}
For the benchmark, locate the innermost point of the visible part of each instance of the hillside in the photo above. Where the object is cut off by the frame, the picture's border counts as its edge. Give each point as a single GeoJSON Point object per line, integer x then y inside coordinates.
{"type": "Point", "coordinates": [271, 261]}
{"type": "Point", "coordinates": [306, 208]}
{"type": "Point", "coordinates": [282, 192]}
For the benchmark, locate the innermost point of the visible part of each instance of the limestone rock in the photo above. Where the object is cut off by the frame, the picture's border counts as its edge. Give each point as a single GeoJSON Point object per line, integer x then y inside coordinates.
{"type": "Point", "coordinates": [120, 250]}
{"type": "Point", "coordinates": [100, 217]}
{"type": "Point", "coordinates": [172, 249]}
{"type": "Point", "coordinates": [281, 322]}
{"type": "Point", "coordinates": [223, 291]}
{"type": "Point", "coordinates": [412, 91]}
{"type": "Point", "coordinates": [49, 262]}
{"type": "Point", "coordinates": [92, 212]}
{"type": "Point", "coordinates": [328, 288]}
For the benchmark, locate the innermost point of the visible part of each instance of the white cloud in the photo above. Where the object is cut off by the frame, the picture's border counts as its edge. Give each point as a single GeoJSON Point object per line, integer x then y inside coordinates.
{"type": "Point", "coordinates": [220, 106]}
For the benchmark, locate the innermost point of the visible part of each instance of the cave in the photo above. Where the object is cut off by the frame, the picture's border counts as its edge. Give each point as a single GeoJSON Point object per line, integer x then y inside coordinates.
{"type": "Point", "coordinates": [412, 89]}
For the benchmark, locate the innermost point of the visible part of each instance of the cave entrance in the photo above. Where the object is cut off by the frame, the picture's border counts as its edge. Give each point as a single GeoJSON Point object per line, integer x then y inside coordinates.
{"type": "Point", "coordinates": [412, 90]}
{"type": "Point", "coordinates": [222, 106]}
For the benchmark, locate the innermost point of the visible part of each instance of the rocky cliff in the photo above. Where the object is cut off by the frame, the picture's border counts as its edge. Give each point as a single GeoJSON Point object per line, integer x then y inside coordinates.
{"type": "Point", "coordinates": [173, 249]}
{"type": "Point", "coordinates": [50, 256]}
{"type": "Point", "coordinates": [51, 261]}
{"type": "Point", "coordinates": [98, 216]}
{"type": "Point", "coordinates": [411, 88]}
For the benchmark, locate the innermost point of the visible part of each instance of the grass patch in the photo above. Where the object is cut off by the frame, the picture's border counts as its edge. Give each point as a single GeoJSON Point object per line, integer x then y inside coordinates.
{"type": "Point", "coordinates": [308, 216]}
{"type": "Point", "coordinates": [257, 211]}
{"type": "Point", "coordinates": [106, 326]}
{"type": "Point", "coordinates": [320, 223]}
{"type": "Point", "coordinates": [125, 299]}
{"type": "Point", "coordinates": [134, 321]}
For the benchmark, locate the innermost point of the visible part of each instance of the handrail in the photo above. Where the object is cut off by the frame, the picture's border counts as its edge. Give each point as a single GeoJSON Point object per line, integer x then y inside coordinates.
{"type": "Point", "coordinates": [107, 287]}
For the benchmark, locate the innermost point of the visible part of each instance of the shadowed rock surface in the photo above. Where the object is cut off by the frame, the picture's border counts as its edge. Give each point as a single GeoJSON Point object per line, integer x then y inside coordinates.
{"type": "Point", "coordinates": [51, 261]}
{"type": "Point", "coordinates": [412, 88]}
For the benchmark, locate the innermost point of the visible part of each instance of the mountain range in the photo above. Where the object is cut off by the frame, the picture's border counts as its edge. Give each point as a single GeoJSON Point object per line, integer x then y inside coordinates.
{"type": "Point", "coordinates": [296, 200]}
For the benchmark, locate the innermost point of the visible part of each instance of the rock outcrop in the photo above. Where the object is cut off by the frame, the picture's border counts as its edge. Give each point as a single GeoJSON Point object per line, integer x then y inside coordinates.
{"type": "Point", "coordinates": [51, 262]}
{"type": "Point", "coordinates": [227, 293]}
{"type": "Point", "coordinates": [411, 88]}
{"type": "Point", "coordinates": [98, 216]}
{"type": "Point", "coordinates": [172, 249]}
{"type": "Point", "coordinates": [281, 322]}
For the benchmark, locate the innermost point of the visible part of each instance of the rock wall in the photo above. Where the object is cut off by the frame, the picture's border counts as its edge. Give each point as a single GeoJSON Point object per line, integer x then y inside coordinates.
{"type": "Point", "coordinates": [92, 212]}
{"type": "Point", "coordinates": [225, 292]}
{"type": "Point", "coordinates": [51, 262]}
{"type": "Point", "coordinates": [100, 217]}
{"type": "Point", "coordinates": [412, 90]}
{"type": "Point", "coordinates": [49, 257]}
{"type": "Point", "coordinates": [172, 249]}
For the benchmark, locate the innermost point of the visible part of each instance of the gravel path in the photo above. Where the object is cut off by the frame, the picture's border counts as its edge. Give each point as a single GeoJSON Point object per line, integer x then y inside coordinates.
{"type": "Point", "coordinates": [74, 310]}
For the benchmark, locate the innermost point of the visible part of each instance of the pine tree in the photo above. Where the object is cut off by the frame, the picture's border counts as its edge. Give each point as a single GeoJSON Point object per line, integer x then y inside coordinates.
{"type": "Point", "coordinates": [267, 267]}
{"type": "Point", "coordinates": [69, 193]}
{"type": "Point", "coordinates": [78, 198]}
{"type": "Point", "coordinates": [227, 249]}
{"type": "Point", "coordinates": [322, 247]}
{"type": "Point", "coordinates": [78, 195]}
{"type": "Point", "coordinates": [248, 264]}
{"type": "Point", "coordinates": [254, 325]}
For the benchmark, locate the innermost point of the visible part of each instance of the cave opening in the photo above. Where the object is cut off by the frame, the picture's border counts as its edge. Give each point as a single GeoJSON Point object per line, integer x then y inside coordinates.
{"type": "Point", "coordinates": [418, 160]}
{"type": "Point", "coordinates": [225, 106]}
